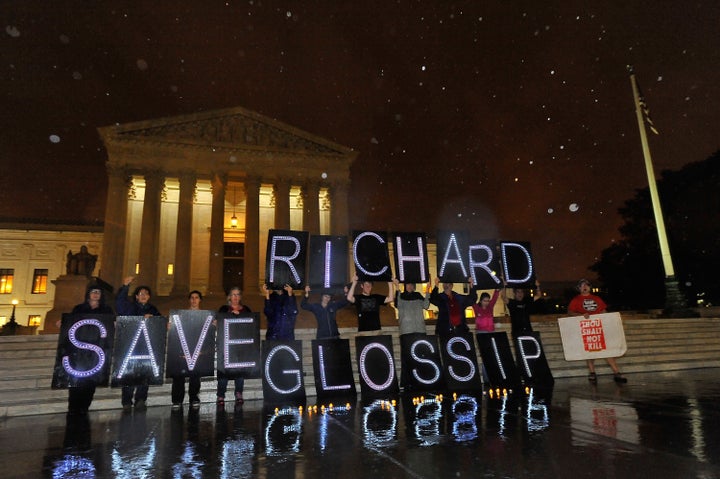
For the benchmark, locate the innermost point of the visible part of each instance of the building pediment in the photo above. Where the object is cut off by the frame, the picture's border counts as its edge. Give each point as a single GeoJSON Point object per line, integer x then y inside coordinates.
{"type": "Point", "coordinates": [232, 129]}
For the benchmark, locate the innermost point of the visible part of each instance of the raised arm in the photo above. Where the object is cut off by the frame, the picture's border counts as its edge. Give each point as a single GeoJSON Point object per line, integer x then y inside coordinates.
{"type": "Point", "coordinates": [538, 294]}
{"type": "Point", "coordinates": [351, 292]}
{"type": "Point", "coordinates": [390, 295]}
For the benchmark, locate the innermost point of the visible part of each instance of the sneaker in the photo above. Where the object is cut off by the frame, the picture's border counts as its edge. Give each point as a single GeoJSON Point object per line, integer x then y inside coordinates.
{"type": "Point", "coordinates": [177, 405]}
{"type": "Point", "coordinates": [140, 405]}
{"type": "Point", "coordinates": [220, 400]}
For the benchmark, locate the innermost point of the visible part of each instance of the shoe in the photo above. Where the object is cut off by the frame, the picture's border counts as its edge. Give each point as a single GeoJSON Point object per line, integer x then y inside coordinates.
{"type": "Point", "coordinates": [619, 378]}
{"type": "Point", "coordinates": [127, 407]}
{"type": "Point", "coordinates": [592, 377]}
{"type": "Point", "coordinates": [220, 400]}
{"type": "Point", "coordinates": [140, 405]}
{"type": "Point", "coordinates": [239, 398]}
{"type": "Point", "coordinates": [177, 405]}
{"type": "Point", "coordinates": [195, 404]}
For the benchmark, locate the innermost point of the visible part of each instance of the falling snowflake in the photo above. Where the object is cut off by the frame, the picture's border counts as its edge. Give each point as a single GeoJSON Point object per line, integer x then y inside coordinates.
{"type": "Point", "coordinates": [323, 175]}
{"type": "Point", "coordinates": [573, 207]}
{"type": "Point", "coordinates": [550, 211]}
{"type": "Point", "coordinates": [12, 31]}
{"type": "Point", "coordinates": [54, 139]}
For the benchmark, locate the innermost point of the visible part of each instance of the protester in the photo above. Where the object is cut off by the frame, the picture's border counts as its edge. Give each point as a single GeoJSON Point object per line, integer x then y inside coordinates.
{"type": "Point", "coordinates": [368, 304]}
{"type": "Point", "coordinates": [483, 309]}
{"type": "Point", "coordinates": [281, 311]}
{"type": "Point", "coordinates": [520, 307]}
{"type": "Point", "coordinates": [81, 395]}
{"type": "Point", "coordinates": [451, 308]}
{"type": "Point", "coordinates": [141, 306]}
{"type": "Point", "coordinates": [411, 306]}
{"type": "Point", "coordinates": [587, 304]}
{"type": "Point", "coordinates": [234, 306]}
{"type": "Point", "coordinates": [325, 312]}
{"type": "Point", "coordinates": [178, 382]}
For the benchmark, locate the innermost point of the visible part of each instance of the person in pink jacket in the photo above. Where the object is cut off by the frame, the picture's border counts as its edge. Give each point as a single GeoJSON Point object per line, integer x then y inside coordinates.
{"type": "Point", "coordinates": [484, 320]}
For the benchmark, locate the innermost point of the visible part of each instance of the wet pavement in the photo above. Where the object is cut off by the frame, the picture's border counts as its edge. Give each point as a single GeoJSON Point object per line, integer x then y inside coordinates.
{"type": "Point", "coordinates": [657, 425]}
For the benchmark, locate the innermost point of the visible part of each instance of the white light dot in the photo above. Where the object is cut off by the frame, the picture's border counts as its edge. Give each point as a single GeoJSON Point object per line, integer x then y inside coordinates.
{"type": "Point", "coordinates": [550, 211]}
{"type": "Point", "coordinates": [324, 175]}
{"type": "Point", "coordinates": [142, 64]}
{"type": "Point", "coordinates": [54, 139]}
{"type": "Point", "coordinates": [573, 207]}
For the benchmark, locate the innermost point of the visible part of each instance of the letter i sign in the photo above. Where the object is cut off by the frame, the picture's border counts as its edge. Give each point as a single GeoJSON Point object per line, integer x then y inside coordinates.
{"type": "Point", "coordinates": [593, 335]}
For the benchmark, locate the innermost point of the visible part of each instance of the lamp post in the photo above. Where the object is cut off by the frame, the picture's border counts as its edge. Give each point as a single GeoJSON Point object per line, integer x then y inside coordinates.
{"type": "Point", "coordinates": [10, 328]}
{"type": "Point", "coordinates": [12, 315]}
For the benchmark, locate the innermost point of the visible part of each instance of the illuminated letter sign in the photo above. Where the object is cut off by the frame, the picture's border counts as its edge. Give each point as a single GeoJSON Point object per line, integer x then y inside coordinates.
{"type": "Point", "coordinates": [191, 344]}
{"type": "Point", "coordinates": [531, 360]}
{"type": "Point", "coordinates": [421, 363]}
{"type": "Point", "coordinates": [139, 355]}
{"type": "Point", "coordinates": [328, 263]}
{"type": "Point", "coordinates": [84, 350]}
{"type": "Point", "coordinates": [332, 368]}
{"type": "Point", "coordinates": [517, 264]}
{"type": "Point", "coordinates": [283, 374]}
{"type": "Point", "coordinates": [498, 360]}
{"type": "Point", "coordinates": [286, 257]}
{"type": "Point", "coordinates": [376, 366]}
{"type": "Point", "coordinates": [484, 266]}
{"type": "Point", "coordinates": [238, 350]}
{"type": "Point", "coordinates": [460, 360]}
{"type": "Point", "coordinates": [411, 260]}
{"type": "Point", "coordinates": [370, 254]}
{"type": "Point", "coordinates": [451, 254]}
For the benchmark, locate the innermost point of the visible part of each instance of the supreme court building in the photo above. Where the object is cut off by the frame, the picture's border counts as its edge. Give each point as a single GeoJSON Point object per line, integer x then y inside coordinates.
{"type": "Point", "coordinates": [191, 198]}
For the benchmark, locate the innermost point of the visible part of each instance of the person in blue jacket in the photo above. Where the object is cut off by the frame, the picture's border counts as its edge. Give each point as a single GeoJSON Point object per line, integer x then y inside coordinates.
{"type": "Point", "coordinates": [325, 312]}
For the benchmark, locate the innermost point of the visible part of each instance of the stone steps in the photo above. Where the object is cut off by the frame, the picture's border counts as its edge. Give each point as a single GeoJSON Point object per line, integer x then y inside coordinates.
{"type": "Point", "coordinates": [26, 362]}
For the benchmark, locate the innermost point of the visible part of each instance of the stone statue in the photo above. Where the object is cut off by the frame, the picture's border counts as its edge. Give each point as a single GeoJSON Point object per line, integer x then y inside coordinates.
{"type": "Point", "coordinates": [82, 263]}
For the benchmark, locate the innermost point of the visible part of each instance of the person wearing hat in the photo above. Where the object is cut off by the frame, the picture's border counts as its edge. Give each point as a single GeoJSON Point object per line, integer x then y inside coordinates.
{"type": "Point", "coordinates": [587, 304]}
{"type": "Point", "coordinates": [325, 312]}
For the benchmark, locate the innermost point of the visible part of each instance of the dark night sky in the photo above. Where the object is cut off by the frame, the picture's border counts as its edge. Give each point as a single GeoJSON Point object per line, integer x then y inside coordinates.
{"type": "Point", "coordinates": [510, 119]}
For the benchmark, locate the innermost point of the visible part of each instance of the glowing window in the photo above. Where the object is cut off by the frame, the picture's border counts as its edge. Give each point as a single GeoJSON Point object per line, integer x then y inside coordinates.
{"type": "Point", "coordinates": [6, 280]}
{"type": "Point", "coordinates": [40, 277]}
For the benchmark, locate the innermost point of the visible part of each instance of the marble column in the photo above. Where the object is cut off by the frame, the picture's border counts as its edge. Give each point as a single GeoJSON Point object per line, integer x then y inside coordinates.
{"type": "Point", "coordinates": [282, 203]}
{"type": "Point", "coordinates": [252, 236]}
{"type": "Point", "coordinates": [339, 224]}
{"type": "Point", "coordinates": [311, 207]}
{"type": "Point", "coordinates": [112, 260]}
{"type": "Point", "coordinates": [183, 235]}
{"type": "Point", "coordinates": [150, 229]}
{"type": "Point", "coordinates": [217, 235]}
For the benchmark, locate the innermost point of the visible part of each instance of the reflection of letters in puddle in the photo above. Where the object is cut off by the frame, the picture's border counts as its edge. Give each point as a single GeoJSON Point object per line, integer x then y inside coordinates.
{"type": "Point", "coordinates": [614, 420]}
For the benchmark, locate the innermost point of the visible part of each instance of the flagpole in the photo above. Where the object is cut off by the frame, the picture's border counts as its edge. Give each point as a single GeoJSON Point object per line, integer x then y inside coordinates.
{"type": "Point", "coordinates": [654, 197]}
{"type": "Point", "coordinates": [675, 302]}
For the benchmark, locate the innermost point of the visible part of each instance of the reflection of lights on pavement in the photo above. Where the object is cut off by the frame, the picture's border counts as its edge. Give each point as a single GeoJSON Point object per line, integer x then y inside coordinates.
{"type": "Point", "coordinates": [464, 411]}
{"type": "Point", "coordinates": [291, 421]}
{"type": "Point", "coordinates": [379, 423]}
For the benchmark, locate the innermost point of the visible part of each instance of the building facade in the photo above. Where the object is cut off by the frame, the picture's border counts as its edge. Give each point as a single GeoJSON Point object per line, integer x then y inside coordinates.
{"type": "Point", "coordinates": [32, 257]}
{"type": "Point", "coordinates": [191, 198]}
